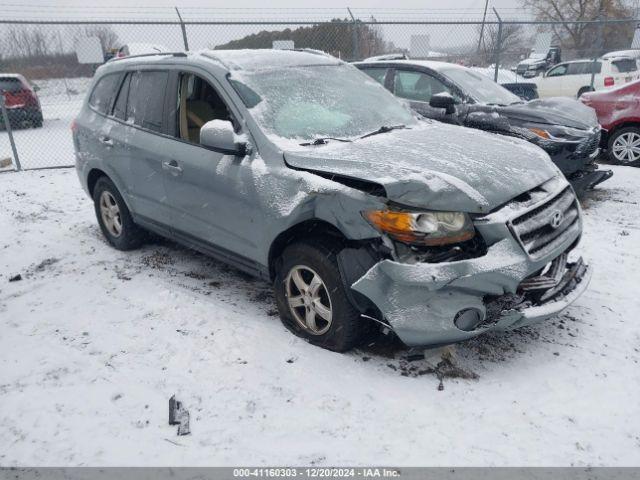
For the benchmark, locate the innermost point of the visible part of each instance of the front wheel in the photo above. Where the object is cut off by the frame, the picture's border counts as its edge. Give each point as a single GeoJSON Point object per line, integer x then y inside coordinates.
{"type": "Point", "coordinates": [312, 299]}
{"type": "Point", "coordinates": [624, 146]}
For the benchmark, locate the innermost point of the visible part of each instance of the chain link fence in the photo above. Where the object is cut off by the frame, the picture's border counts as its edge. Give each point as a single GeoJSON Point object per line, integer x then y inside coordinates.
{"type": "Point", "coordinates": [45, 53]}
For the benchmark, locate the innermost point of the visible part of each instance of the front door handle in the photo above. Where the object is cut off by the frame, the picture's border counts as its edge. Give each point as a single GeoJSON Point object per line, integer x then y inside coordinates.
{"type": "Point", "coordinates": [106, 141]}
{"type": "Point", "coordinates": [172, 167]}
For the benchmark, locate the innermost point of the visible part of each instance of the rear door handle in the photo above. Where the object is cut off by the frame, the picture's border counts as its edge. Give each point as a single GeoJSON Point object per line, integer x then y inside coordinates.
{"type": "Point", "coordinates": [106, 141]}
{"type": "Point", "coordinates": [172, 167]}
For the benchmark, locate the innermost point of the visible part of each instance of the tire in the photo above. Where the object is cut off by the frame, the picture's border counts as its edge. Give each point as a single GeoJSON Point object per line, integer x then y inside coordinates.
{"type": "Point", "coordinates": [346, 329]}
{"type": "Point", "coordinates": [616, 152]}
{"type": "Point", "coordinates": [116, 223]}
{"type": "Point", "coordinates": [584, 90]}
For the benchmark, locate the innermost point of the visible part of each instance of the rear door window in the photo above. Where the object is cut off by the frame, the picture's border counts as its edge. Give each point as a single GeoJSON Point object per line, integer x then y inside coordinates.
{"type": "Point", "coordinates": [584, 68]}
{"type": "Point", "coordinates": [104, 92]}
{"type": "Point", "coordinates": [9, 84]}
{"type": "Point", "coordinates": [624, 66]}
{"type": "Point", "coordinates": [146, 99]}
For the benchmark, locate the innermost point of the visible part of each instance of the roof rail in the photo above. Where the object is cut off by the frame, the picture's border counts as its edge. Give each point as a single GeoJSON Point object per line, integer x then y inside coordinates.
{"type": "Point", "coordinates": [155, 54]}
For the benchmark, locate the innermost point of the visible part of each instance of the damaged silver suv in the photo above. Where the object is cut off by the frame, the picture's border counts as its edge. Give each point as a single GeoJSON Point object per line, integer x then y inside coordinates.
{"type": "Point", "coordinates": [297, 168]}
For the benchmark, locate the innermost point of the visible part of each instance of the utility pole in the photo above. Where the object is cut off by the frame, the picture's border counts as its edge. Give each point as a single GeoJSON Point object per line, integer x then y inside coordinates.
{"type": "Point", "coordinates": [484, 18]}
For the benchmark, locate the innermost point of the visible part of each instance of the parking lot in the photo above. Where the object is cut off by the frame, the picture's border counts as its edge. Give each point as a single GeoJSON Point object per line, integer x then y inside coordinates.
{"type": "Point", "coordinates": [51, 145]}
{"type": "Point", "coordinates": [111, 336]}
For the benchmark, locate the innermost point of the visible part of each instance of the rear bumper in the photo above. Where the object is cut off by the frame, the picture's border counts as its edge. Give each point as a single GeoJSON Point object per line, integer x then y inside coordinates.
{"type": "Point", "coordinates": [20, 116]}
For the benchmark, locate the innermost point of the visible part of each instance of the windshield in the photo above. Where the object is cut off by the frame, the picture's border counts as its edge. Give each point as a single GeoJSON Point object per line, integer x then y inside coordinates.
{"type": "Point", "coordinates": [311, 102]}
{"type": "Point", "coordinates": [480, 87]}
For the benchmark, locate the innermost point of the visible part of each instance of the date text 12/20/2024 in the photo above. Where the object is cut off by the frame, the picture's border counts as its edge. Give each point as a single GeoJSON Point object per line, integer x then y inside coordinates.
{"type": "Point", "coordinates": [316, 472]}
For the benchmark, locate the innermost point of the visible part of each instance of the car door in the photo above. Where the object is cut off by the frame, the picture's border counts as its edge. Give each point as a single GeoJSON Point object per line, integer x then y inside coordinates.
{"type": "Point", "coordinates": [552, 84]}
{"type": "Point", "coordinates": [93, 139]}
{"type": "Point", "coordinates": [579, 77]}
{"type": "Point", "coordinates": [139, 140]}
{"type": "Point", "coordinates": [209, 192]}
{"type": "Point", "coordinates": [418, 87]}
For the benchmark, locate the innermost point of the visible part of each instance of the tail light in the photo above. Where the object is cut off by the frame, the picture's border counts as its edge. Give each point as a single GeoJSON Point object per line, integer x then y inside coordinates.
{"type": "Point", "coordinates": [74, 126]}
{"type": "Point", "coordinates": [609, 81]}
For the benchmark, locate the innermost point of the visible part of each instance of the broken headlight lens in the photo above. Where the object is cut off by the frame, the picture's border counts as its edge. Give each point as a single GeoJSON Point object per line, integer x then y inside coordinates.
{"type": "Point", "coordinates": [423, 228]}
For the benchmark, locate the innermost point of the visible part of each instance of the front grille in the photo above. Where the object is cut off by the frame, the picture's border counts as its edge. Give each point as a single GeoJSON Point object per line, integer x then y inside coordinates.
{"type": "Point", "coordinates": [588, 145]}
{"type": "Point", "coordinates": [544, 228]}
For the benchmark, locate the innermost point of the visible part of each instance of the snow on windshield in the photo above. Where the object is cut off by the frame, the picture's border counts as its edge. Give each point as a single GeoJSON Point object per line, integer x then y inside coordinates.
{"type": "Point", "coordinates": [481, 88]}
{"type": "Point", "coordinates": [308, 102]}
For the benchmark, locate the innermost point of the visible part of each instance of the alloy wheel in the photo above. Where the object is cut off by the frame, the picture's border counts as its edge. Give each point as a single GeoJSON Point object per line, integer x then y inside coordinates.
{"type": "Point", "coordinates": [110, 213]}
{"type": "Point", "coordinates": [308, 300]}
{"type": "Point", "coordinates": [626, 148]}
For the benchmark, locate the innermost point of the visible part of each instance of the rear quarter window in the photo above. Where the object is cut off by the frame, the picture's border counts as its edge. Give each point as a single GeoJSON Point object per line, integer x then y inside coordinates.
{"type": "Point", "coordinates": [104, 92]}
{"type": "Point", "coordinates": [624, 66]}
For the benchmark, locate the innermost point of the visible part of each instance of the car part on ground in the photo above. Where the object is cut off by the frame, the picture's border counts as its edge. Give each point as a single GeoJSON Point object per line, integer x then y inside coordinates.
{"type": "Point", "coordinates": [564, 128]}
{"type": "Point", "coordinates": [618, 111]}
{"type": "Point", "coordinates": [21, 100]}
{"type": "Point", "coordinates": [423, 228]}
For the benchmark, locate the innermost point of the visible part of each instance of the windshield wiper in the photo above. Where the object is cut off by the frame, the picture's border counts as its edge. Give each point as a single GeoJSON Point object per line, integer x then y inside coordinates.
{"type": "Point", "coordinates": [384, 129]}
{"type": "Point", "coordinates": [324, 141]}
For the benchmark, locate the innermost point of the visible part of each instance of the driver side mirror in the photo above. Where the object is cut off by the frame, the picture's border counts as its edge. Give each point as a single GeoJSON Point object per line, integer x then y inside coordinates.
{"type": "Point", "coordinates": [443, 100]}
{"type": "Point", "coordinates": [218, 135]}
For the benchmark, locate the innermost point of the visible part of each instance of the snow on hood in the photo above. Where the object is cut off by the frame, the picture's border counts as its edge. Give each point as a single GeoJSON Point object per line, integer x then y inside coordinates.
{"type": "Point", "coordinates": [434, 165]}
{"type": "Point", "coordinates": [566, 112]}
{"type": "Point", "coordinates": [533, 61]}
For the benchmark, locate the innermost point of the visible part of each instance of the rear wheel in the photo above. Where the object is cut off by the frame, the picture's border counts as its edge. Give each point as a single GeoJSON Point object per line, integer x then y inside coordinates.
{"type": "Point", "coordinates": [114, 217]}
{"type": "Point", "coordinates": [584, 90]}
{"type": "Point", "coordinates": [312, 299]}
{"type": "Point", "coordinates": [624, 146]}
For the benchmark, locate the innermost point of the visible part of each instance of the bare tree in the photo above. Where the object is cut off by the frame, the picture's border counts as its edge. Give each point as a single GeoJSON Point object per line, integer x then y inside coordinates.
{"type": "Point", "coordinates": [581, 36]}
{"type": "Point", "coordinates": [511, 41]}
{"type": "Point", "coordinates": [26, 41]}
{"type": "Point", "coordinates": [107, 35]}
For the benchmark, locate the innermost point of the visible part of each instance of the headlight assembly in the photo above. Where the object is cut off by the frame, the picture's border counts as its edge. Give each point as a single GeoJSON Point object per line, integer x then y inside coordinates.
{"type": "Point", "coordinates": [557, 132]}
{"type": "Point", "coordinates": [422, 228]}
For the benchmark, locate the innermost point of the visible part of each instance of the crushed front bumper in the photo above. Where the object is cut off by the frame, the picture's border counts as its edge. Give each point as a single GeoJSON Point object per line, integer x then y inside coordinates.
{"type": "Point", "coordinates": [440, 303]}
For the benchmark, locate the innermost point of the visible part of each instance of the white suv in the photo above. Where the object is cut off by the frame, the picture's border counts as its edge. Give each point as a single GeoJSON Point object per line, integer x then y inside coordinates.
{"type": "Point", "coordinates": [571, 79]}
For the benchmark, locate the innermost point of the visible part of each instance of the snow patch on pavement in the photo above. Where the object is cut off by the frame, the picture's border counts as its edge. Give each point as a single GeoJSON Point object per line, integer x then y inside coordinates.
{"type": "Point", "coordinates": [95, 341]}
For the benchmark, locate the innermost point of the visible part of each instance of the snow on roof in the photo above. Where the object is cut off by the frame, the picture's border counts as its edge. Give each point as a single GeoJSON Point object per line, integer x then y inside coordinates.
{"type": "Point", "coordinates": [259, 59]}
{"type": "Point", "coordinates": [432, 64]}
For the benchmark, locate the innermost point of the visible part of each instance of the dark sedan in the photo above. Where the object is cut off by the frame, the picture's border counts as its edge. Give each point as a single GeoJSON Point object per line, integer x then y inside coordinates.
{"type": "Point", "coordinates": [567, 130]}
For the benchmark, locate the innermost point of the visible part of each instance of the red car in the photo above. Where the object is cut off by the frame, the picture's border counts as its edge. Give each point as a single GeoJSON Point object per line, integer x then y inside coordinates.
{"type": "Point", "coordinates": [618, 111]}
{"type": "Point", "coordinates": [23, 106]}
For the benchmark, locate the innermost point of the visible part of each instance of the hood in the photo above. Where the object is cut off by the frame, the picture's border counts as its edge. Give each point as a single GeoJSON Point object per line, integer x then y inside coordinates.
{"type": "Point", "coordinates": [565, 112]}
{"type": "Point", "coordinates": [533, 61]}
{"type": "Point", "coordinates": [434, 165]}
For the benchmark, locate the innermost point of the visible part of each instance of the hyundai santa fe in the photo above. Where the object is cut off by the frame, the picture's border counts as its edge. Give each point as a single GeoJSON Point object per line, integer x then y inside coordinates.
{"type": "Point", "coordinates": [299, 169]}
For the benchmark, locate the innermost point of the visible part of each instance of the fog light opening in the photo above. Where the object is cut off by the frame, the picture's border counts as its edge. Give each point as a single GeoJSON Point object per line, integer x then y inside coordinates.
{"type": "Point", "coordinates": [468, 319]}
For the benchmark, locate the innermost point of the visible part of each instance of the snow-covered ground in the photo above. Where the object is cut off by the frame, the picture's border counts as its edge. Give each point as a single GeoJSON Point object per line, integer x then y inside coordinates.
{"type": "Point", "coordinates": [51, 145]}
{"type": "Point", "coordinates": [95, 341]}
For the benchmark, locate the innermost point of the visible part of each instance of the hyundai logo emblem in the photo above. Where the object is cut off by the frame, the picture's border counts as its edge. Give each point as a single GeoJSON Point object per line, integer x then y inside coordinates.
{"type": "Point", "coordinates": [556, 219]}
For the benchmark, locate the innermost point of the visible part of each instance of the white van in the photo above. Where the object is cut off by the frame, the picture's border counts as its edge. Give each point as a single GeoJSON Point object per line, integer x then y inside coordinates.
{"type": "Point", "coordinates": [572, 79]}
